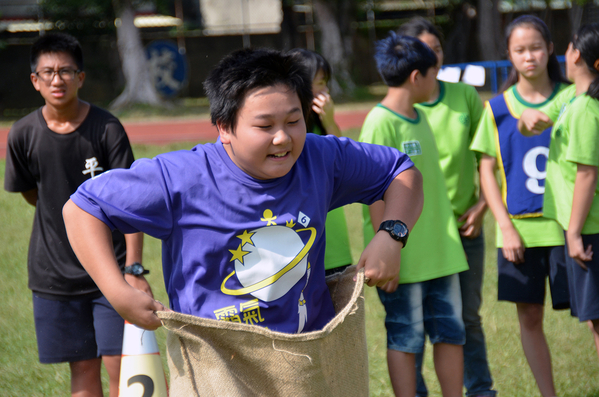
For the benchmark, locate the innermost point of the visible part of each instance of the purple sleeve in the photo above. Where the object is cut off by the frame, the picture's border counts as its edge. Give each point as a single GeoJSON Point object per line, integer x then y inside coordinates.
{"type": "Point", "coordinates": [363, 171]}
{"type": "Point", "coordinates": [129, 200]}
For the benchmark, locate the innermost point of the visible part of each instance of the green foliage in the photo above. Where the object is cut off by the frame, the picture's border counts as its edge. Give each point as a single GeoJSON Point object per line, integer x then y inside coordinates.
{"type": "Point", "coordinates": [87, 16]}
{"type": "Point", "coordinates": [91, 16]}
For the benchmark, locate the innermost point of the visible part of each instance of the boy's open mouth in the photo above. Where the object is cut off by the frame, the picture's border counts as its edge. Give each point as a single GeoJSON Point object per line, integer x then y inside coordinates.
{"type": "Point", "coordinates": [278, 155]}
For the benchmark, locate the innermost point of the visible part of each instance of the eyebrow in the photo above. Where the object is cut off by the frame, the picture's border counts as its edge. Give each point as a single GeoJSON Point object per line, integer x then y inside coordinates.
{"type": "Point", "coordinates": [267, 115]}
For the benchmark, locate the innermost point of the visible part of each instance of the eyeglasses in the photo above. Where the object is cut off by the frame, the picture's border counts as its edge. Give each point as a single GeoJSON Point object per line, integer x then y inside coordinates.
{"type": "Point", "coordinates": [66, 74]}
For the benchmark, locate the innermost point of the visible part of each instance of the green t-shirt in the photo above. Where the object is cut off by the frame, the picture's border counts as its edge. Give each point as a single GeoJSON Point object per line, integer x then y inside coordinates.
{"type": "Point", "coordinates": [434, 248]}
{"type": "Point", "coordinates": [453, 118]}
{"type": "Point", "coordinates": [574, 140]}
{"type": "Point", "coordinates": [337, 252]}
{"type": "Point", "coordinates": [555, 107]}
{"type": "Point", "coordinates": [535, 232]}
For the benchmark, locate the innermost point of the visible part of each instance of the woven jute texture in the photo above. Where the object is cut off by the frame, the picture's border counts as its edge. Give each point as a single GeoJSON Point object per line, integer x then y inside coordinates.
{"type": "Point", "coordinates": [210, 358]}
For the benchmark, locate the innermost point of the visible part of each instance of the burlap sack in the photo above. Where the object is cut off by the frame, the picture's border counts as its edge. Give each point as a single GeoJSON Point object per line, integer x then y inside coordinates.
{"type": "Point", "coordinates": [212, 358]}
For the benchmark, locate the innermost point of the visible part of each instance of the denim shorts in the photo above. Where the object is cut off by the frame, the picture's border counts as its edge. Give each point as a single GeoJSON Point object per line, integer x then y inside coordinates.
{"type": "Point", "coordinates": [76, 329]}
{"type": "Point", "coordinates": [433, 307]}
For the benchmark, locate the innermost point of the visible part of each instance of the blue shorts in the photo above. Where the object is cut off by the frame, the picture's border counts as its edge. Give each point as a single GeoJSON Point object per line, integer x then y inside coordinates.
{"type": "Point", "coordinates": [433, 306]}
{"type": "Point", "coordinates": [525, 282]}
{"type": "Point", "coordinates": [76, 329]}
{"type": "Point", "coordinates": [584, 284]}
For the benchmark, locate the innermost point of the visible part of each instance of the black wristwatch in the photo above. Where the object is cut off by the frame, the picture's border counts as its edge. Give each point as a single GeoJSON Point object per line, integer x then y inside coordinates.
{"type": "Point", "coordinates": [136, 269]}
{"type": "Point", "coordinates": [397, 230]}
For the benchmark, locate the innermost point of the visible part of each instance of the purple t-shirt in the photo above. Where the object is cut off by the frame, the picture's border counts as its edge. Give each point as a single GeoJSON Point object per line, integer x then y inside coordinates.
{"type": "Point", "coordinates": [237, 248]}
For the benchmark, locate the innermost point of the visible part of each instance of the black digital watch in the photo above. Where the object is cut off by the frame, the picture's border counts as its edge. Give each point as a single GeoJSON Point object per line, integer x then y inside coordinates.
{"type": "Point", "coordinates": [397, 230]}
{"type": "Point", "coordinates": [136, 269]}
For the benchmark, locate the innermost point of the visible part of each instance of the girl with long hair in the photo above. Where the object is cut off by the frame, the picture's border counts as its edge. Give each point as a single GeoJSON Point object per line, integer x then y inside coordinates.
{"type": "Point", "coordinates": [530, 246]}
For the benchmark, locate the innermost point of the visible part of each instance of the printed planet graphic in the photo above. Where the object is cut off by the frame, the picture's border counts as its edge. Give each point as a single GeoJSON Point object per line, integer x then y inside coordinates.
{"type": "Point", "coordinates": [142, 374]}
{"type": "Point", "coordinates": [270, 261]}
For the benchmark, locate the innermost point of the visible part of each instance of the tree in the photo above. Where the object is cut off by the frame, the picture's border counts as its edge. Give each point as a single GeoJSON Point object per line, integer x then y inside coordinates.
{"type": "Point", "coordinates": [139, 85]}
{"type": "Point", "coordinates": [489, 30]}
{"type": "Point", "coordinates": [336, 47]}
{"type": "Point", "coordinates": [91, 17]}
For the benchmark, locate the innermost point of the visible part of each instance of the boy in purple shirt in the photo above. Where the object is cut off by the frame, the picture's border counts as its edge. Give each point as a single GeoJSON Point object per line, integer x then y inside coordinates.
{"type": "Point", "coordinates": [242, 220]}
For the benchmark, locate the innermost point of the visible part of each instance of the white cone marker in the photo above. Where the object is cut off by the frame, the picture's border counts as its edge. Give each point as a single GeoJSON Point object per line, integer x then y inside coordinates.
{"type": "Point", "coordinates": [142, 374]}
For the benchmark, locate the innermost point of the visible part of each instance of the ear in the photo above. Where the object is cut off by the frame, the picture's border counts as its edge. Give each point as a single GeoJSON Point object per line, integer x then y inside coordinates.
{"type": "Point", "coordinates": [224, 133]}
{"type": "Point", "coordinates": [80, 79]}
{"type": "Point", "coordinates": [576, 56]}
{"type": "Point", "coordinates": [35, 81]}
{"type": "Point", "coordinates": [415, 76]}
{"type": "Point", "coordinates": [550, 48]}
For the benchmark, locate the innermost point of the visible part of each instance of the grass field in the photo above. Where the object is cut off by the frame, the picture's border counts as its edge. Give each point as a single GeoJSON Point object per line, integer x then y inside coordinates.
{"type": "Point", "coordinates": [575, 363]}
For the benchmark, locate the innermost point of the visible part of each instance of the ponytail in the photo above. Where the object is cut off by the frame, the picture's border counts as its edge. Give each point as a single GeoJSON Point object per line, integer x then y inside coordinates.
{"type": "Point", "coordinates": [586, 40]}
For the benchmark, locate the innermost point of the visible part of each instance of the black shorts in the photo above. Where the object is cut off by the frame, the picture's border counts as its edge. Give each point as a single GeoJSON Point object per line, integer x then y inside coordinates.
{"type": "Point", "coordinates": [77, 329]}
{"type": "Point", "coordinates": [525, 282]}
{"type": "Point", "coordinates": [584, 284]}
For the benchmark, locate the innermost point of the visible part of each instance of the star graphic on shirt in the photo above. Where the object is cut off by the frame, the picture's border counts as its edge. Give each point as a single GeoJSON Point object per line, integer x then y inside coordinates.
{"type": "Point", "coordinates": [246, 238]}
{"type": "Point", "coordinates": [238, 254]}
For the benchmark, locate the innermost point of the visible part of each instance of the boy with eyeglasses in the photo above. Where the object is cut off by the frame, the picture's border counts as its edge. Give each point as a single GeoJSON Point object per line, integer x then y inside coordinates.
{"type": "Point", "coordinates": [50, 153]}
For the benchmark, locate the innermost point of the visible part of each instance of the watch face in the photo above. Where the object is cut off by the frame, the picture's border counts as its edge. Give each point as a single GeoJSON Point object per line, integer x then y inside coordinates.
{"type": "Point", "coordinates": [399, 230]}
{"type": "Point", "coordinates": [137, 269]}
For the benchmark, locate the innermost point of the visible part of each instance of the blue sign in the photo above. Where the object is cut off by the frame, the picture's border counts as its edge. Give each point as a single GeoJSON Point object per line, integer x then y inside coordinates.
{"type": "Point", "coordinates": [167, 66]}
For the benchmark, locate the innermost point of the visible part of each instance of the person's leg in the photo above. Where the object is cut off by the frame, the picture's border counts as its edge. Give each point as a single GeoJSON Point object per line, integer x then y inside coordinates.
{"type": "Point", "coordinates": [584, 288]}
{"type": "Point", "coordinates": [442, 307]}
{"type": "Point", "coordinates": [477, 376]}
{"type": "Point", "coordinates": [449, 368]}
{"type": "Point", "coordinates": [593, 327]}
{"type": "Point", "coordinates": [535, 346]}
{"type": "Point", "coordinates": [405, 335]}
{"type": "Point", "coordinates": [109, 328]}
{"type": "Point", "coordinates": [524, 284]}
{"type": "Point", "coordinates": [402, 371]}
{"type": "Point", "coordinates": [86, 378]}
{"type": "Point", "coordinates": [65, 333]}
{"type": "Point", "coordinates": [113, 368]}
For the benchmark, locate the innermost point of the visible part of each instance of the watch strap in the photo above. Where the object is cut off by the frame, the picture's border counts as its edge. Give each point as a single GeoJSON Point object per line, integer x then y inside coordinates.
{"type": "Point", "coordinates": [134, 269]}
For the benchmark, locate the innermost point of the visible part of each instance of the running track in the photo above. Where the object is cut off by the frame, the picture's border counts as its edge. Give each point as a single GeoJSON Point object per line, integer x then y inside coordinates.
{"type": "Point", "coordinates": [197, 130]}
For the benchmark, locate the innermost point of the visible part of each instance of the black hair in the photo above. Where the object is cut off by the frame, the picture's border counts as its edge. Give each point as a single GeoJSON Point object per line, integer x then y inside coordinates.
{"type": "Point", "coordinates": [313, 62]}
{"type": "Point", "coordinates": [54, 43]}
{"type": "Point", "coordinates": [398, 56]}
{"type": "Point", "coordinates": [586, 40]}
{"type": "Point", "coordinates": [553, 69]}
{"type": "Point", "coordinates": [248, 69]}
{"type": "Point", "coordinates": [417, 26]}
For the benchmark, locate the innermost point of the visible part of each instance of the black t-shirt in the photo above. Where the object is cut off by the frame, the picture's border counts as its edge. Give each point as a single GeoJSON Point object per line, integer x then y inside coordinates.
{"type": "Point", "coordinates": [56, 164]}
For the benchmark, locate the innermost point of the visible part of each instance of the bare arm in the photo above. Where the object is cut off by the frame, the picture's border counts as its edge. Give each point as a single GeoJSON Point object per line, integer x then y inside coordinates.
{"type": "Point", "coordinates": [533, 122]}
{"type": "Point", "coordinates": [513, 248]}
{"type": "Point", "coordinates": [584, 191]}
{"type": "Point", "coordinates": [403, 201]}
{"type": "Point", "coordinates": [91, 241]}
{"type": "Point", "coordinates": [135, 244]}
{"type": "Point", "coordinates": [30, 196]}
